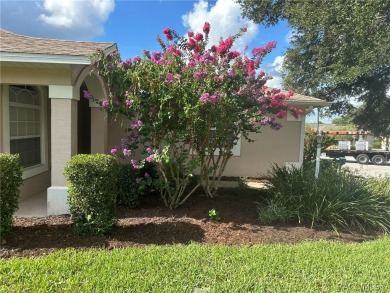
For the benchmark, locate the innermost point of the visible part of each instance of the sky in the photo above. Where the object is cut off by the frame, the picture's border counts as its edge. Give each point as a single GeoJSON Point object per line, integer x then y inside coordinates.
{"type": "Point", "coordinates": [134, 25]}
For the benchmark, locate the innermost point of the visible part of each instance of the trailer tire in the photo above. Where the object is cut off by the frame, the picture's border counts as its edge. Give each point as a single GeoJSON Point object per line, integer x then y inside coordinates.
{"type": "Point", "coordinates": [378, 160]}
{"type": "Point", "coordinates": [362, 159]}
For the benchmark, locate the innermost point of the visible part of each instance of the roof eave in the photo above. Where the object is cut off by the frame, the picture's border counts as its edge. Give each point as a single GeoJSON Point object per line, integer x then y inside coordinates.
{"type": "Point", "coordinates": [51, 58]}
{"type": "Point", "coordinates": [314, 104]}
{"type": "Point", "coordinates": [43, 58]}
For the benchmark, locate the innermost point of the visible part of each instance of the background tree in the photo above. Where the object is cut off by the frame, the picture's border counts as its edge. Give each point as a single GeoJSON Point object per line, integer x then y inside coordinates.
{"type": "Point", "coordinates": [339, 50]}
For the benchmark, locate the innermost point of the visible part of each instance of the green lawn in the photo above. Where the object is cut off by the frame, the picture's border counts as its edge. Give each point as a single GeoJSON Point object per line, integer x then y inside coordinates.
{"type": "Point", "coordinates": [307, 267]}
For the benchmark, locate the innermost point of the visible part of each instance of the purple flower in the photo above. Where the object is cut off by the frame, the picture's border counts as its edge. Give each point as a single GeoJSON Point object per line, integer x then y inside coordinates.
{"type": "Point", "coordinates": [266, 121]}
{"type": "Point", "coordinates": [138, 180]}
{"type": "Point", "coordinates": [168, 78]}
{"type": "Point", "coordinates": [126, 152]}
{"type": "Point", "coordinates": [204, 98]}
{"type": "Point", "coordinates": [129, 103]}
{"type": "Point", "coordinates": [136, 59]}
{"type": "Point", "coordinates": [114, 150]}
{"type": "Point", "coordinates": [200, 74]}
{"type": "Point", "coordinates": [231, 74]}
{"type": "Point", "coordinates": [150, 158]}
{"type": "Point", "coordinates": [191, 63]}
{"type": "Point", "coordinates": [87, 95]}
{"type": "Point", "coordinates": [137, 124]}
{"type": "Point", "coordinates": [147, 175]}
{"type": "Point", "coordinates": [156, 57]}
{"type": "Point", "coordinates": [148, 150]}
{"type": "Point", "coordinates": [134, 163]}
{"type": "Point", "coordinates": [105, 103]}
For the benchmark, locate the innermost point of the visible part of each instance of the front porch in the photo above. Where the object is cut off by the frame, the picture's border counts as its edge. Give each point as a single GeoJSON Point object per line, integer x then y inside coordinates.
{"type": "Point", "coordinates": [34, 206]}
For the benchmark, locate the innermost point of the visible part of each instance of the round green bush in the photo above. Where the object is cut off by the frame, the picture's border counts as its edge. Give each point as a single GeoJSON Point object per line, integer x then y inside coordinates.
{"type": "Point", "coordinates": [92, 182]}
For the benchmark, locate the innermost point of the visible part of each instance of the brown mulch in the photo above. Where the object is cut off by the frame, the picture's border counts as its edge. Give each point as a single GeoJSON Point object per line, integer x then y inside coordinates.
{"type": "Point", "coordinates": [153, 224]}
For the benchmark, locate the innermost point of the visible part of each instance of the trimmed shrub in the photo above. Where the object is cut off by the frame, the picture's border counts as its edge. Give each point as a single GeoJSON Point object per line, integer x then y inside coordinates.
{"type": "Point", "coordinates": [10, 181]}
{"type": "Point", "coordinates": [134, 183]}
{"type": "Point", "coordinates": [92, 182]}
{"type": "Point", "coordinates": [338, 199]}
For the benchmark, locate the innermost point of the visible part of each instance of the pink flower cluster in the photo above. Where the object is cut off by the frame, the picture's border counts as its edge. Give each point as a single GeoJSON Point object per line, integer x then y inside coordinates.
{"type": "Point", "coordinates": [134, 163]}
{"type": "Point", "coordinates": [129, 103]}
{"type": "Point", "coordinates": [200, 74]}
{"type": "Point", "coordinates": [277, 100]}
{"type": "Point", "coordinates": [105, 103]}
{"type": "Point", "coordinates": [174, 50]}
{"type": "Point", "coordinates": [87, 95]}
{"type": "Point", "coordinates": [224, 46]}
{"type": "Point", "coordinates": [206, 28]}
{"type": "Point", "coordinates": [206, 98]}
{"type": "Point", "coordinates": [168, 34]}
{"type": "Point", "coordinates": [150, 158]}
{"type": "Point", "coordinates": [137, 124]}
{"type": "Point", "coordinates": [126, 64]}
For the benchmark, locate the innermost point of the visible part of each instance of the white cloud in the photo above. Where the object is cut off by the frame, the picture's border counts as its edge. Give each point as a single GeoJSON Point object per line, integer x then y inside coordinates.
{"type": "Point", "coordinates": [225, 20]}
{"type": "Point", "coordinates": [275, 82]}
{"type": "Point", "coordinates": [66, 19]}
{"type": "Point", "coordinates": [278, 63]}
{"type": "Point", "coordinates": [274, 69]}
{"type": "Point", "coordinates": [87, 16]}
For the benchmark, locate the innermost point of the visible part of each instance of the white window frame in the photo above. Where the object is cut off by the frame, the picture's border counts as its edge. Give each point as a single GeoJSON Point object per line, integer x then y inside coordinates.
{"type": "Point", "coordinates": [44, 165]}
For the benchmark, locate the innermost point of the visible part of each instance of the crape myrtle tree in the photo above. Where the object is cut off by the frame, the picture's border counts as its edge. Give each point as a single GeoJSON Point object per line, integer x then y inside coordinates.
{"type": "Point", "coordinates": [340, 49]}
{"type": "Point", "coordinates": [187, 105]}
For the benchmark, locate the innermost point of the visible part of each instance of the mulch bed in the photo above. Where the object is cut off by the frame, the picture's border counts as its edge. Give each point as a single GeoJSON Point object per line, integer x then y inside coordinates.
{"type": "Point", "coordinates": [153, 224]}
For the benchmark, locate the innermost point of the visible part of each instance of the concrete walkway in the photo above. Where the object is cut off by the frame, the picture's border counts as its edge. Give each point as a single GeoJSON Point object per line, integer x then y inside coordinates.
{"type": "Point", "coordinates": [35, 206]}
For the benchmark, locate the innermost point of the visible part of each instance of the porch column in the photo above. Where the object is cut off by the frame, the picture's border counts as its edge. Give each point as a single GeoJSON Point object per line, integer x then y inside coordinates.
{"type": "Point", "coordinates": [63, 144]}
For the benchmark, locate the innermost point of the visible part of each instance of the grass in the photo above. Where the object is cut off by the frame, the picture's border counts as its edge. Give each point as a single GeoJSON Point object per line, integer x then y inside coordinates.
{"type": "Point", "coordinates": [306, 267]}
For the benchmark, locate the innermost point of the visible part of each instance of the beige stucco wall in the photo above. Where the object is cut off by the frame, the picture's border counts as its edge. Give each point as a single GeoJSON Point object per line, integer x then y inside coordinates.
{"type": "Point", "coordinates": [12, 73]}
{"type": "Point", "coordinates": [115, 130]}
{"type": "Point", "coordinates": [34, 185]}
{"type": "Point", "coordinates": [269, 147]}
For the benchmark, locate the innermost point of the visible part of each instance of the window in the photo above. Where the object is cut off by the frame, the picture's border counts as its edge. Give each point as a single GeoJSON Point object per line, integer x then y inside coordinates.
{"type": "Point", "coordinates": [26, 112]}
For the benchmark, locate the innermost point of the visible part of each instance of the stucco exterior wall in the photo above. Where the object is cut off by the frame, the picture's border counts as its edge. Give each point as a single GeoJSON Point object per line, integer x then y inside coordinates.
{"type": "Point", "coordinates": [115, 130]}
{"type": "Point", "coordinates": [269, 147]}
{"type": "Point", "coordinates": [34, 185]}
{"type": "Point", "coordinates": [35, 75]}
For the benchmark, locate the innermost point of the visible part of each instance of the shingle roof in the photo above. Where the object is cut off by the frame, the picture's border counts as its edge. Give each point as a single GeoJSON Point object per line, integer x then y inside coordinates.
{"type": "Point", "coordinates": [14, 43]}
{"type": "Point", "coordinates": [298, 98]}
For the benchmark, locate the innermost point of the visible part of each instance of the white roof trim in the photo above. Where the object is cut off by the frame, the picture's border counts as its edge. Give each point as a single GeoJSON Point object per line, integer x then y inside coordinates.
{"type": "Point", "coordinates": [44, 58]}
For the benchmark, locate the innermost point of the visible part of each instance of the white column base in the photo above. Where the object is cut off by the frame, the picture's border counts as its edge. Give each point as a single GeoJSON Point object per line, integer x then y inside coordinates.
{"type": "Point", "coordinates": [57, 200]}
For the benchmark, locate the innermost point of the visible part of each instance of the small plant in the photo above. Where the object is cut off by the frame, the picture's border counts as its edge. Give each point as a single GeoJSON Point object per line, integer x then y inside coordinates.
{"type": "Point", "coordinates": [10, 180]}
{"type": "Point", "coordinates": [92, 182]}
{"type": "Point", "coordinates": [214, 215]}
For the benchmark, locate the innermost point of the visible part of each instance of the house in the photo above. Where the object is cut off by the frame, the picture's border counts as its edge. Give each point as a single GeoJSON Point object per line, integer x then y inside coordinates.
{"type": "Point", "coordinates": [45, 120]}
